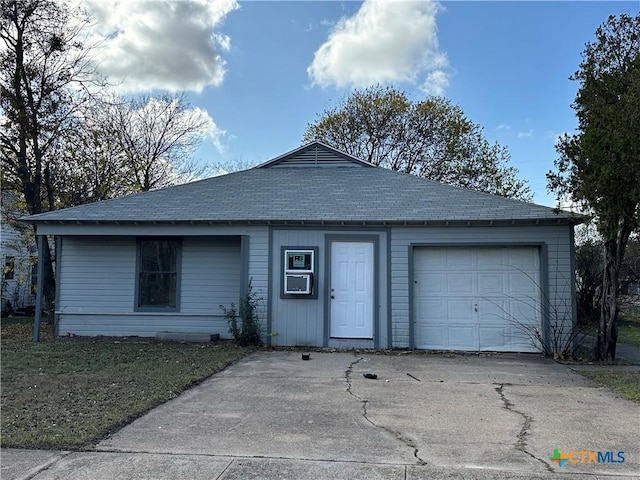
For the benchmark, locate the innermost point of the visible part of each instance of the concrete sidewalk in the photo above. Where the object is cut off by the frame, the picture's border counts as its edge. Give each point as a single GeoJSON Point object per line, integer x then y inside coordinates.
{"type": "Point", "coordinates": [141, 466]}
{"type": "Point", "coordinates": [273, 415]}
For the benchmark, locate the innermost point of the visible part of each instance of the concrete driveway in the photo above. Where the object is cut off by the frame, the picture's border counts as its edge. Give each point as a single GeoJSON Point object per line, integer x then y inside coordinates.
{"type": "Point", "coordinates": [273, 415]}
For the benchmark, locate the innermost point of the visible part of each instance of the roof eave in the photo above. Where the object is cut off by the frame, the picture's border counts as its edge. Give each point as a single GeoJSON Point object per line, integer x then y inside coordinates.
{"type": "Point", "coordinates": [323, 222]}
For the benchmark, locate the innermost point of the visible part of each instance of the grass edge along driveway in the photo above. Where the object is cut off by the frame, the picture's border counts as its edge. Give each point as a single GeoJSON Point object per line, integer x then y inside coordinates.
{"type": "Point", "coordinates": [69, 393]}
{"type": "Point", "coordinates": [625, 383]}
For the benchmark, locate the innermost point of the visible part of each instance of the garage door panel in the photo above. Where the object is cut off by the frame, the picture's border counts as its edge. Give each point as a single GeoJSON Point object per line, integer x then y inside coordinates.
{"type": "Point", "coordinates": [435, 283]}
{"type": "Point", "coordinates": [492, 310]}
{"type": "Point", "coordinates": [462, 337]}
{"type": "Point", "coordinates": [492, 259]}
{"type": "Point", "coordinates": [522, 283]}
{"type": "Point", "coordinates": [435, 310]}
{"type": "Point", "coordinates": [457, 282]}
{"type": "Point", "coordinates": [460, 310]}
{"type": "Point", "coordinates": [524, 342]}
{"type": "Point", "coordinates": [524, 257]}
{"type": "Point", "coordinates": [493, 337]}
{"type": "Point", "coordinates": [490, 283]}
{"type": "Point", "coordinates": [459, 259]}
{"type": "Point", "coordinates": [523, 339]}
{"type": "Point", "coordinates": [434, 337]}
{"type": "Point", "coordinates": [525, 311]}
{"type": "Point", "coordinates": [482, 299]}
{"type": "Point", "coordinates": [435, 259]}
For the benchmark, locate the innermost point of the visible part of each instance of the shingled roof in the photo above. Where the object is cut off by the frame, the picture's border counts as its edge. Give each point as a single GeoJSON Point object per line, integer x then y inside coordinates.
{"type": "Point", "coordinates": [314, 184]}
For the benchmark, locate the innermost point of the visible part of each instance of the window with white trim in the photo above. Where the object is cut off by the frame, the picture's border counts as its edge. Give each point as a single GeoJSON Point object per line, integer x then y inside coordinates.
{"type": "Point", "coordinates": [299, 268]}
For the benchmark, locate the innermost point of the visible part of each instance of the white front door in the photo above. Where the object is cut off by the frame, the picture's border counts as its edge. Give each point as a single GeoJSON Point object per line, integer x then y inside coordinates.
{"type": "Point", "coordinates": [351, 290]}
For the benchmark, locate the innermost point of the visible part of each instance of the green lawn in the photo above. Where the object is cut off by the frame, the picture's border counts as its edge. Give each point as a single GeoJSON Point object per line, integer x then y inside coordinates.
{"type": "Point", "coordinates": [629, 326]}
{"type": "Point", "coordinates": [69, 393]}
{"type": "Point", "coordinates": [626, 383]}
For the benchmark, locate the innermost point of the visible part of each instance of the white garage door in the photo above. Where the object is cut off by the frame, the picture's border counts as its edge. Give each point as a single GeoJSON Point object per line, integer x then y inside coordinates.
{"type": "Point", "coordinates": [477, 299]}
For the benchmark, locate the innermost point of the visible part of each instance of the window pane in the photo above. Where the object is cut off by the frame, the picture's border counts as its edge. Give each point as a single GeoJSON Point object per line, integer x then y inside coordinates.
{"type": "Point", "coordinates": [158, 276]}
{"type": "Point", "coordinates": [158, 289]}
{"type": "Point", "coordinates": [158, 255]}
{"type": "Point", "coordinates": [9, 267]}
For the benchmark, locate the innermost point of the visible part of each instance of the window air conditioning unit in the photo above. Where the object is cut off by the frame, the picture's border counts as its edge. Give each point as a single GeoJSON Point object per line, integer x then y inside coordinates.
{"type": "Point", "coordinates": [298, 283]}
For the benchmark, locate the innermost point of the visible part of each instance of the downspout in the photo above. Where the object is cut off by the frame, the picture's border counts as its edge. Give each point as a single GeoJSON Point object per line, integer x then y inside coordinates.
{"type": "Point", "coordinates": [39, 288]}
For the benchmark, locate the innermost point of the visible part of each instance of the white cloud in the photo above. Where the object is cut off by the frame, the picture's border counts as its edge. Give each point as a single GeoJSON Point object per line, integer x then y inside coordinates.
{"type": "Point", "coordinates": [528, 134]}
{"type": "Point", "coordinates": [212, 132]}
{"type": "Point", "coordinates": [169, 45]}
{"type": "Point", "coordinates": [436, 83]}
{"type": "Point", "coordinates": [385, 41]}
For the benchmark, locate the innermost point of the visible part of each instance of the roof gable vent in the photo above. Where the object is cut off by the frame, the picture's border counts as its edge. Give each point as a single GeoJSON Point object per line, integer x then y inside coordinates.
{"type": "Point", "coordinates": [315, 154]}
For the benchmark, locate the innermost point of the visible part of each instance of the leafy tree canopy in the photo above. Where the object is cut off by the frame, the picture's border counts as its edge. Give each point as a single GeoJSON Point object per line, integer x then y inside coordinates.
{"type": "Point", "coordinates": [430, 138]}
{"type": "Point", "coordinates": [599, 166]}
{"type": "Point", "coordinates": [64, 140]}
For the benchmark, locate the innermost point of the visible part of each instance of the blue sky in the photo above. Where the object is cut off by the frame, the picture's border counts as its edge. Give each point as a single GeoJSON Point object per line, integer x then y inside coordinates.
{"type": "Point", "coordinates": [263, 70]}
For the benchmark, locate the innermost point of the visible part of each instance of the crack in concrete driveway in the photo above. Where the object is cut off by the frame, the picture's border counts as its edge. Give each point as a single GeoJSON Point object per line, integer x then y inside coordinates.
{"type": "Point", "coordinates": [273, 405]}
{"type": "Point", "coordinates": [397, 435]}
{"type": "Point", "coordinates": [527, 420]}
{"type": "Point", "coordinates": [272, 415]}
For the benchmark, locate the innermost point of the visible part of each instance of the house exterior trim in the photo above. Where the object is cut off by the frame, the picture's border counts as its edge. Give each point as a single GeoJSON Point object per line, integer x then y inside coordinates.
{"type": "Point", "coordinates": [375, 239]}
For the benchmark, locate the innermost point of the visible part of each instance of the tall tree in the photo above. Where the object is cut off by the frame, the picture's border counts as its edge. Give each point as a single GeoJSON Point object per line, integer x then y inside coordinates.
{"type": "Point", "coordinates": [431, 138]}
{"type": "Point", "coordinates": [60, 143]}
{"type": "Point", "coordinates": [44, 69]}
{"type": "Point", "coordinates": [157, 137]}
{"type": "Point", "coordinates": [93, 165]}
{"type": "Point", "coordinates": [122, 146]}
{"type": "Point", "coordinates": [599, 166]}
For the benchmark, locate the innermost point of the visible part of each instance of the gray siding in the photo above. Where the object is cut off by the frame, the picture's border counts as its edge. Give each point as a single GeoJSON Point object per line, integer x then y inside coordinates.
{"type": "Point", "coordinates": [212, 275]}
{"type": "Point", "coordinates": [97, 287]}
{"type": "Point", "coordinates": [558, 242]}
{"type": "Point", "coordinates": [301, 321]}
{"type": "Point", "coordinates": [98, 275]}
{"type": "Point", "coordinates": [18, 289]}
{"type": "Point", "coordinates": [258, 268]}
{"type": "Point", "coordinates": [298, 321]}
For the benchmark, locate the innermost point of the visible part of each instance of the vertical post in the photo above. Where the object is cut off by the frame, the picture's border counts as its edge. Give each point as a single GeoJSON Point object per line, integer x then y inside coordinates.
{"type": "Point", "coordinates": [58, 240]}
{"type": "Point", "coordinates": [39, 284]}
